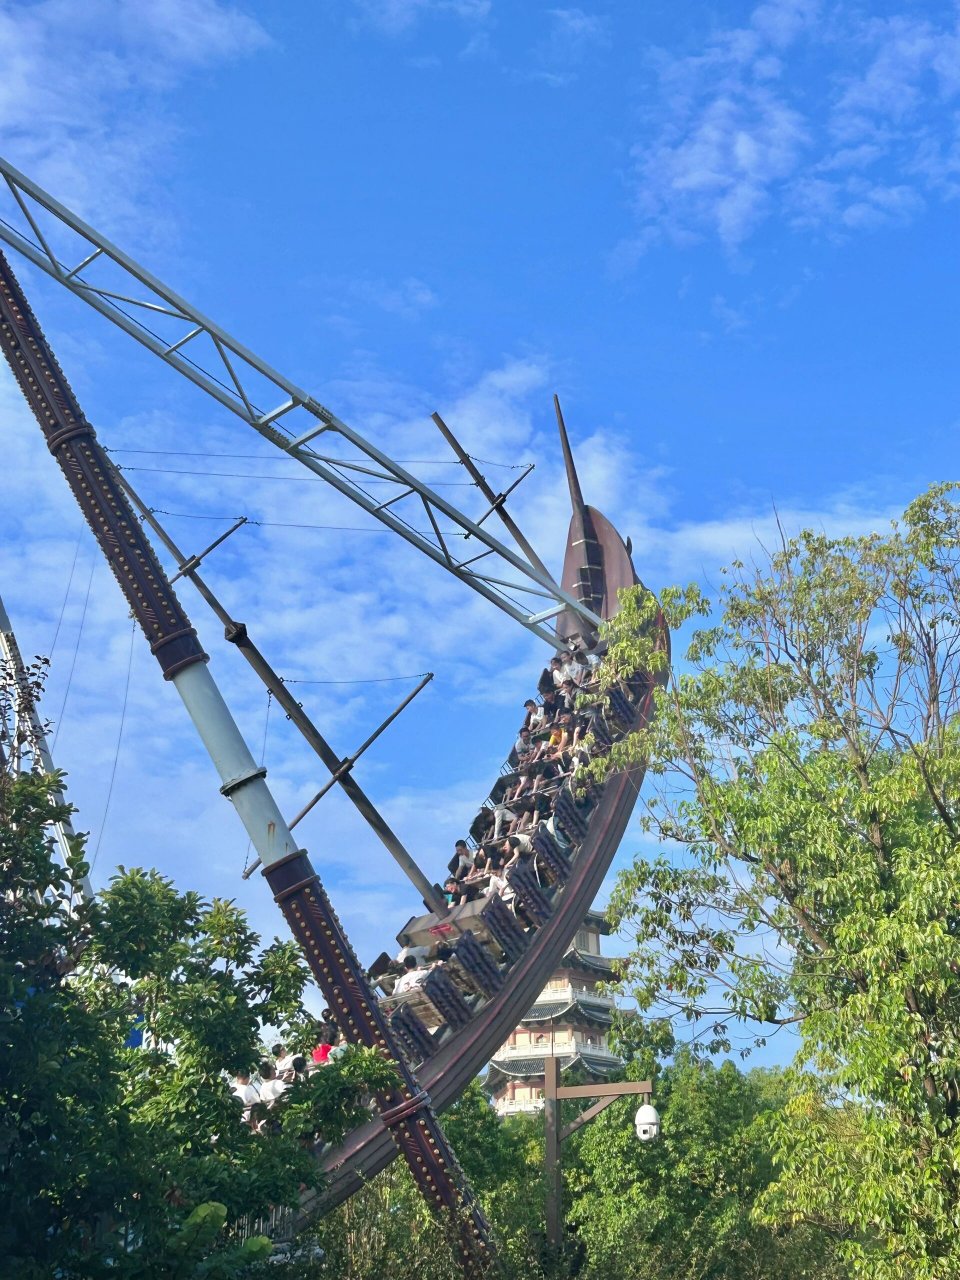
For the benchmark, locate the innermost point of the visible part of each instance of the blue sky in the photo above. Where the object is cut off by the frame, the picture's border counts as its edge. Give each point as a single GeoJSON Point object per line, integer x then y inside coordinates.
{"type": "Point", "coordinates": [725, 234]}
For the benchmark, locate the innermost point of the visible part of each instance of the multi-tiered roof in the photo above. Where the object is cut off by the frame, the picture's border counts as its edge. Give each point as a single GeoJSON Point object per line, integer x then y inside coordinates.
{"type": "Point", "coordinates": [569, 1021]}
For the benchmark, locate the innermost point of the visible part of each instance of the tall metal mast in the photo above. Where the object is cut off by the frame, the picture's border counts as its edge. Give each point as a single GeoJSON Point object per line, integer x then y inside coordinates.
{"type": "Point", "coordinates": [294, 421]}
{"type": "Point", "coordinates": [340, 768]}
{"type": "Point", "coordinates": [23, 741]}
{"type": "Point", "coordinates": [406, 1108]}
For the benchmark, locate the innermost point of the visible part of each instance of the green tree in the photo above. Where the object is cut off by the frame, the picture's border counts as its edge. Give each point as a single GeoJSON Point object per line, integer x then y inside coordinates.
{"type": "Point", "coordinates": [805, 763]}
{"type": "Point", "coordinates": [683, 1206]}
{"type": "Point", "coordinates": [117, 1160]}
{"type": "Point", "coordinates": [387, 1230]}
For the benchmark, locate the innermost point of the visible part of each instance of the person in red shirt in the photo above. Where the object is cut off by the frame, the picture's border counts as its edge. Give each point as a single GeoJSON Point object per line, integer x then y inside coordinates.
{"type": "Point", "coordinates": [321, 1053]}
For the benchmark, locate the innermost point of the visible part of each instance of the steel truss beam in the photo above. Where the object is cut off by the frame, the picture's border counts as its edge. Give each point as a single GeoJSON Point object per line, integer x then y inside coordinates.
{"type": "Point", "coordinates": [184, 338]}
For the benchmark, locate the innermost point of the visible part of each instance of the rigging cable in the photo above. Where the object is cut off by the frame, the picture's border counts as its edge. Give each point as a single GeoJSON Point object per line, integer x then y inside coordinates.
{"type": "Point", "coordinates": [116, 754]}
{"type": "Point", "coordinates": [251, 475]}
{"type": "Point", "coordinates": [260, 457]}
{"type": "Point", "coordinates": [76, 650]}
{"type": "Point", "coordinates": [66, 594]}
{"type": "Point", "coordinates": [369, 680]}
{"type": "Point", "coordinates": [284, 524]}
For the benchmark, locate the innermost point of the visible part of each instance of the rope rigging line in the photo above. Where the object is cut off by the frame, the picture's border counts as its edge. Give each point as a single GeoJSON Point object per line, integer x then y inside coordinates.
{"type": "Point", "coordinates": [286, 524]}
{"type": "Point", "coordinates": [76, 650]}
{"type": "Point", "coordinates": [250, 475]}
{"type": "Point", "coordinates": [259, 457]}
{"type": "Point", "coordinates": [116, 754]}
{"type": "Point", "coordinates": [369, 679]}
{"type": "Point", "coordinates": [66, 594]}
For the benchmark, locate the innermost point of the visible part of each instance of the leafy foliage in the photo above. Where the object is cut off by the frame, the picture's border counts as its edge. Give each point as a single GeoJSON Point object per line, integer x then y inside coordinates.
{"type": "Point", "coordinates": [683, 1206]}
{"type": "Point", "coordinates": [386, 1229]}
{"type": "Point", "coordinates": [119, 1160]}
{"type": "Point", "coordinates": [806, 761]}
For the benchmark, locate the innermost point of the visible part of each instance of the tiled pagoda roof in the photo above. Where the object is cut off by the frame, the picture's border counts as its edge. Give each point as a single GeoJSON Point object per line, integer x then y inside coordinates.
{"type": "Point", "coordinates": [523, 1068]}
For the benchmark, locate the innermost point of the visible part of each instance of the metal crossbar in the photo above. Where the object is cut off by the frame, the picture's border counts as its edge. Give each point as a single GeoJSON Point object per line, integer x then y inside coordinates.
{"type": "Point", "coordinates": [148, 310]}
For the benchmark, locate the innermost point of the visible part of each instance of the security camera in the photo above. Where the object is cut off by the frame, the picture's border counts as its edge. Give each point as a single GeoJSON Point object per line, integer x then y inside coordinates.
{"type": "Point", "coordinates": [647, 1123]}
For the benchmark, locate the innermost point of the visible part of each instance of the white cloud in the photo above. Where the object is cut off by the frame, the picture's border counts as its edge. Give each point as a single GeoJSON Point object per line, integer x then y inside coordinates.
{"type": "Point", "coordinates": [324, 606]}
{"type": "Point", "coordinates": [571, 35]}
{"type": "Point", "coordinates": [407, 298]}
{"type": "Point", "coordinates": [396, 16]}
{"type": "Point", "coordinates": [66, 70]}
{"type": "Point", "coordinates": [823, 121]}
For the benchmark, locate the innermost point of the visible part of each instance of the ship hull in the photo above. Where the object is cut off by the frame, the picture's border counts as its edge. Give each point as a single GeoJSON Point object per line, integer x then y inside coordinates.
{"type": "Point", "coordinates": [464, 1054]}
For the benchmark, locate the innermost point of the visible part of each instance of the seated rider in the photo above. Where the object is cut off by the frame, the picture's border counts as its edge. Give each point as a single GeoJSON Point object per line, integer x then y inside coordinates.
{"type": "Point", "coordinates": [534, 717]}
{"type": "Point", "coordinates": [412, 977]}
{"type": "Point", "coordinates": [464, 860]}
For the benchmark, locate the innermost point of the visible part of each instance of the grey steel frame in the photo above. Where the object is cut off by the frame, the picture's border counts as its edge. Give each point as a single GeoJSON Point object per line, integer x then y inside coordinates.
{"type": "Point", "coordinates": [228, 374]}
{"type": "Point", "coordinates": [27, 731]}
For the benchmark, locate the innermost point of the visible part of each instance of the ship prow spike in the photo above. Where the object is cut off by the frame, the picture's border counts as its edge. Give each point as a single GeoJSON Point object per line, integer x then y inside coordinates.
{"type": "Point", "coordinates": [573, 480]}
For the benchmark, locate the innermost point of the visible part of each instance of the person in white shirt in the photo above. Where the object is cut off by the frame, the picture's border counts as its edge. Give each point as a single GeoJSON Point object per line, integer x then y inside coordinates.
{"type": "Point", "coordinates": [535, 717]}
{"type": "Point", "coordinates": [498, 885]}
{"type": "Point", "coordinates": [284, 1058]}
{"type": "Point", "coordinates": [464, 859]}
{"type": "Point", "coordinates": [270, 1088]}
{"type": "Point", "coordinates": [247, 1093]}
{"type": "Point", "coordinates": [411, 978]}
{"type": "Point", "coordinates": [567, 666]}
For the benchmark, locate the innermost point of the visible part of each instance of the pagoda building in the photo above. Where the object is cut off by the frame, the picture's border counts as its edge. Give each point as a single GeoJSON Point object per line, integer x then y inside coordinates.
{"type": "Point", "coordinates": [569, 1021]}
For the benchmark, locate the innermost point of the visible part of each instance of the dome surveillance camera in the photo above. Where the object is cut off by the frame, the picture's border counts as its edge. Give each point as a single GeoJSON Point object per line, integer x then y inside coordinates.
{"type": "Point", "coordinates": [647, 1123]}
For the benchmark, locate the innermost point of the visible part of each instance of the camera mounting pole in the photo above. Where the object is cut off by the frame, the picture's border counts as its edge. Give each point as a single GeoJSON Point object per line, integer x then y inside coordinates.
{"type": "Point", "coordinates": [553, 1094]}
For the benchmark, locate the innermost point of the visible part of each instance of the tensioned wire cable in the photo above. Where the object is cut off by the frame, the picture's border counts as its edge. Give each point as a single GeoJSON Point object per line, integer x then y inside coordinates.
{"type": "Point", "coordinates": [116, 754]}
{"type": "Point", "coordinates": [286, 524]}
{"type": "Point", "coordinates": [66, 594]}
{"type": "Point", "coordinates": [261, 457]}
{"type": "Point", "coordinates": [251, 475]}
{"type": "Point", "coordinates": [368, 680]}
{"type": "Point", "coordinates": [76, 650]}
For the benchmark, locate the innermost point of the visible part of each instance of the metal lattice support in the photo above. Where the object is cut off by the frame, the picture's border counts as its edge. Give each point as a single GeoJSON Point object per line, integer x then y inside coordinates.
{"type": "Point", "coordinates": [406, 1110]}
{"type": "Point", "coordinates": [85, 262]}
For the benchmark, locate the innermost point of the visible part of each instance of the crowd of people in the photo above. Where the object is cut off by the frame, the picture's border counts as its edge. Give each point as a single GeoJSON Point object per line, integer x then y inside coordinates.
{"type": "Point", "coordinates": [551, 748]}
{"type": "Point", "coordinates": [259, 1091]}
{"type": "Point", "coordinates": [561, 729]}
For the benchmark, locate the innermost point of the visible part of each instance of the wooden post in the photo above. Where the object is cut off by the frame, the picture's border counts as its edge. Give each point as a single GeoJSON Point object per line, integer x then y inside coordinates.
{"type": "Point", "coordinates": [554, 1133]}
{"type": "Point", "coordinates": [551, 1151]}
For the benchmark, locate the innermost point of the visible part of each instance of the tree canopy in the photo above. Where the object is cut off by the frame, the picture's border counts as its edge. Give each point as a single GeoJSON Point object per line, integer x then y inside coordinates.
{"type": "Point", "coordinates": [122, 1150]}
{"type": "Point", "coordinates": [805, 765]}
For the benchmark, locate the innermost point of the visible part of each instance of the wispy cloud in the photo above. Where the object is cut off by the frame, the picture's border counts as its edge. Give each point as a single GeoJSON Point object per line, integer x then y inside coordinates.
{"type": "Point", "coordinates": [407, 298]}
{"type": "Point", "coordinates": [816, 118]}
{"type": "Point", "coordinates": [396, 16]}
{"type": "Point", "coordinates": [571, 36]}
{"type": "Point", "coordinates": [83, 94]}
